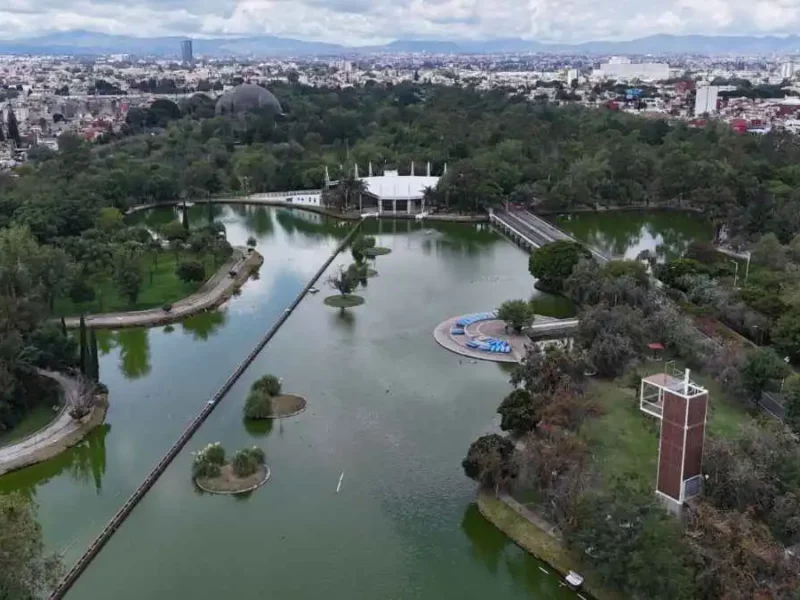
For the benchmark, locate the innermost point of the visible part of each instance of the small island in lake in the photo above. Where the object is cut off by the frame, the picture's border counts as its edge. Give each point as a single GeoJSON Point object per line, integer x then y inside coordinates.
{"type": "Point", "coordinates": [245, 472]}
{"type": "Point", "coordinates": [266, 400]}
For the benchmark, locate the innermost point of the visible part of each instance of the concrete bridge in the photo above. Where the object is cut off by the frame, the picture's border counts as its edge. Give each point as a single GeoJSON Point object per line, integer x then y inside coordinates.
{"type": "Point", "coordinates": [530, 231]}
{"type": "Point", "coordinates": [552, 328]}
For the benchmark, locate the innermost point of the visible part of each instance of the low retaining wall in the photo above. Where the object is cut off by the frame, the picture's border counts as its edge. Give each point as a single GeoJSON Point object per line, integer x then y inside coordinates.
{"type": "Point", "coordinates": [125, 510]}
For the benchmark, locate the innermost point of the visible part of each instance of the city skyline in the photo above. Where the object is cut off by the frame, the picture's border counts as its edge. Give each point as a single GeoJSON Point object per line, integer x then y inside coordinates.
{"type": "Point", "coordinates": [358, 22]}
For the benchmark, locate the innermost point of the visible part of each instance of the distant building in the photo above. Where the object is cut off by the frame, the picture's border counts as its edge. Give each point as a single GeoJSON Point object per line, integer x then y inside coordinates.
{"type": "Point", "coordinates": [706, 100]}
{"type": "Point", "coordinates": [787, 70]}
{"type": "Point", "coordinates": [621, 68]}
{"type": "Point", "coordinates": [187, 56]}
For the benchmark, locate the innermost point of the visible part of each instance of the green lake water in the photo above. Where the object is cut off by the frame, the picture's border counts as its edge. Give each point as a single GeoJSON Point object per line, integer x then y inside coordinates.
{"type": "Point", "coordinates": [624, 234]}
{"type": "Point", "coordinates": [387, 406]}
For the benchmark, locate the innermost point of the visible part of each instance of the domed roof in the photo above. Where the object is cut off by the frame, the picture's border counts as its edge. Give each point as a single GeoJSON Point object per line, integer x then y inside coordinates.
{"type": "Point", "coordinates": [246, 97]}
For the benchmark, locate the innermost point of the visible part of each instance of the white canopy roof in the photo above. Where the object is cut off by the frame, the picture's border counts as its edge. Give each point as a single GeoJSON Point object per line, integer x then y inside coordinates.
{"type": "Point", "coordinates": [399, 187]}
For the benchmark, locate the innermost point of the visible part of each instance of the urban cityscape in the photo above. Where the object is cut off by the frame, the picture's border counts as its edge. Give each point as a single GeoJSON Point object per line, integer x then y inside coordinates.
{"type": "Point", "coordinates": [296, 313]}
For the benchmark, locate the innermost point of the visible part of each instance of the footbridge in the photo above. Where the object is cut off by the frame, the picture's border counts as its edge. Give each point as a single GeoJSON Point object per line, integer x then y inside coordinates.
{"type": "Point", "coordinates": [530, 231]}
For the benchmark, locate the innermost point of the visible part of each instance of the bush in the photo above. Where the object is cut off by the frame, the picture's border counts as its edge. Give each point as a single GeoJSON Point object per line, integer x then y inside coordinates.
{"type": "Point", "coordinates": [215, 454]}
{"type": "Point", "coordinates": [247, 461]}
{"type": "Point", "coordinates": [269, 384]}
{"type": "Point", "coordinates": [167, 307]}
{"type": "Point", "coordinates": [251, 242]}
{"type": "Point", "coordinates": [207, 462]}
{"type": "Point", "coordinates": [191, 270]}
{"type": "Point", "coordinates": [258, 405]}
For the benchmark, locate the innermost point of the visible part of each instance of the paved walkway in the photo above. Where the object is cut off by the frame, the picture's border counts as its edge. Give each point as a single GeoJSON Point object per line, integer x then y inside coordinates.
{"type": "Point", "coordinates": [60, 433]}
{"type": "Point", "coordinates": [213, 293]}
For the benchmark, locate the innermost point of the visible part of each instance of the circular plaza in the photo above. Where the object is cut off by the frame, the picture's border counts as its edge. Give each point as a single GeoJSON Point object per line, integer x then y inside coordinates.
{"type": "Point", "coordinates": [481, 336]}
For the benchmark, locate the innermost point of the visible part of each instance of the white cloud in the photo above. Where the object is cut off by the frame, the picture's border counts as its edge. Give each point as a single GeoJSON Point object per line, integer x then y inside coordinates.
{"type": "Point", "coordinates": [371, 21]}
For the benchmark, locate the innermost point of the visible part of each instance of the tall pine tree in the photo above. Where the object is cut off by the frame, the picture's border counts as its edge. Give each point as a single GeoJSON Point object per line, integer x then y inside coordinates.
{"type": "Point", "coordinates": [84, 349]}
{"type": "Point", "coordinates": [13, 127]}
{"type": "Point", "coordinates": [2, 136]}
{"type": "Point", "coordinates": [94, 372]}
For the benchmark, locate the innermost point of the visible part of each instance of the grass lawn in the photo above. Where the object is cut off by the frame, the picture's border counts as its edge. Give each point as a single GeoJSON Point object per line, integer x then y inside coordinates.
{"type": "Point", "coordinates": [163, 287]}
{"type": "Point", "coordinates": [37, 418]}
{"type": "Point", "coordinates": [624, 440]}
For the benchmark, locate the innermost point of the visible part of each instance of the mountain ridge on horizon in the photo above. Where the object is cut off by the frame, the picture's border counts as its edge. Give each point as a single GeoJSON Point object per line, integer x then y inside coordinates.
{"type": "Point", "coordinates": [83, 42]}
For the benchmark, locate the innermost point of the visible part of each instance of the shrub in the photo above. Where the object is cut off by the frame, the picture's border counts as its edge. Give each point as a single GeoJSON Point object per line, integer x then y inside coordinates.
{"type": "Point", "coordinates": [258, 405]}
{"type": "Point", "coordinates": [205, 470]}
{"type": "Point", "coordinates": [191, 270]}
{"type": "Point", "coordinates": [251, 243]}
{"type": "Point", "coordinates": [167, 307]}
{"type": "Point", "coordinates": [207, 462]}
{"type": "Point", "coordinates": [214, 453]}
{"type": "Point", "coordinates": [246, 462]}
{"type": "Point", "coordinates": [269, 384]}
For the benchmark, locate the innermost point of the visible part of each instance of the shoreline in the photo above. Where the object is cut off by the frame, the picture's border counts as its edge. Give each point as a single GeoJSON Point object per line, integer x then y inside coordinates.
{"type": "Point", "coordinates": [214, 292]}
{"type": "Point", "coordinates": [66, 433]}
{"type": "Point", "coordinates": [348, 216]}
{"type": "Point", "coordinates": [539, 539]}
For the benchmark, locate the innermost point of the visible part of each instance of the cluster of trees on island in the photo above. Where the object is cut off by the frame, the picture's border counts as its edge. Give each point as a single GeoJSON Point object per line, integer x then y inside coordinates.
{"type": "Point", "coordinates": [734, 541]}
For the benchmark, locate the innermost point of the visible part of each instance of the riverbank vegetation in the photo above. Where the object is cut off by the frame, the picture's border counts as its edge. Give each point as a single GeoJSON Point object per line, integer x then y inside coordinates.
{"type": "Point", "coordinates": [578, 451]}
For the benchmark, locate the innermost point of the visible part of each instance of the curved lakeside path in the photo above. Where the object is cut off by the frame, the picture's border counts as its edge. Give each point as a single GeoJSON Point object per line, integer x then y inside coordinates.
{"type": "Point", "coordinates": [214, 292]}
{"type": "Point", "coordinates": [62, 433]}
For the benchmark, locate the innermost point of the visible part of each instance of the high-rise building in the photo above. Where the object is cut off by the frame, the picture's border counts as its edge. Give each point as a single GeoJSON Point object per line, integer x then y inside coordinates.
{"type": "Point", "coordinates": [706, 100]}
{"type": "Point", "coordinates": [788, 69]}
{"type": "Point", "coordinates": [186, 52]}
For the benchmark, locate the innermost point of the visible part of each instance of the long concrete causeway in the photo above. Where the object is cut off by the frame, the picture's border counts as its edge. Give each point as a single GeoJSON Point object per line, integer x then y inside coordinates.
{"type": "Point", "coordinates": [531, 231]}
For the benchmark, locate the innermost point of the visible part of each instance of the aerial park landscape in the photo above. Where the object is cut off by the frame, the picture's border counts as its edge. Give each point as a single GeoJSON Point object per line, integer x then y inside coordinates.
{"type": "Point", "coordinates": [327, 386]}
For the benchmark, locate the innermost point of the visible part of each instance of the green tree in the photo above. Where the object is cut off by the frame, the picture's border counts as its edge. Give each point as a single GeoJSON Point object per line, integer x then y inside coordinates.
{"type": "Point", "coordinates": [761, 366]}
{"type": "Point", "coordinates": [174, 230]}
{"type": "Point", "coordinates": [191, 270]}
{"type": "Point", "coordinates": [251, 242]}
{"type": "Point", "coordinates": [791, 391]}
{"type": "Point", "coordinates": [623, 534]}
{"type": "Point", "coordinates": [769, 252]}
{"type": "Point", "coordinates": [520, 412]}
{"type": "Point", "coordinates": [489, 461]}
{"type": "Point", "coordinates": [786, 334]}
{"type": "Point", "coordinates": [552, 264]}
{"type": "Point", "coordinates": [344, 281]}
{"type": "Point", "coordinates": [517, 314]}
{"type": "Point", "coordinates": [25, 570]}
{"type": "Point", "coordinates": [128, 273]}
{"type": "Point", "coordinates": [269, 384]}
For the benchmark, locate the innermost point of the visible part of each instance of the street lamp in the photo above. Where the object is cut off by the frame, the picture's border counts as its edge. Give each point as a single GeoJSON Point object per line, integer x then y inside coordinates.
{"type": "Point", "coordinates": [736, 273]}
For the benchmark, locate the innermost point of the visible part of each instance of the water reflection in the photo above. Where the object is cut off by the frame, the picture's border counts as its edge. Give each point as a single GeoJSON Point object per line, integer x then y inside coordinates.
{"type": "Point", "coordinates": [85, 462]}
{"type": "Point", "coordinates": [488, 542]}
{"type": "Point", "coordinates": [258, 428]}
{"type": "Point", "coordinates": [626, 234]}
{"type": "Point", "coordinates": [134, 352]}
{"type": "Point", "coordinates": [258, 220]}
{"type": "Point", "coordinates": [204, 325]}
{"type": "Point", "coordinates": [344, 319]}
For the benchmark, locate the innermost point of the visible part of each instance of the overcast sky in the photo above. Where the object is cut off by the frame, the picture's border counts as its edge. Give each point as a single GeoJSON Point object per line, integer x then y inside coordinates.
{"type": "Point", "coordinates": [356, 22]}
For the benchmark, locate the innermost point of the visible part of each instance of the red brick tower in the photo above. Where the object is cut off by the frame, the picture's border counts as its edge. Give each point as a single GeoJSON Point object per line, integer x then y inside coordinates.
{"type": "Point", "coordinates": [681, 406]}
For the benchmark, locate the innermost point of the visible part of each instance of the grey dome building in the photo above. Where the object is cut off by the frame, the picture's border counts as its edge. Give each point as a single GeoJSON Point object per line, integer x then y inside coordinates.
{"type": "Point", "coordinates": [246, 97]}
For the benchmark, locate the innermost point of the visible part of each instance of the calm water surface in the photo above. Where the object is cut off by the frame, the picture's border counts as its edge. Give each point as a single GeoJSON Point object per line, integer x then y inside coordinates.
{"type": "Point", "coordinates": [387, 407]}
{"type": "Point", "coordinates": [624, 234]}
